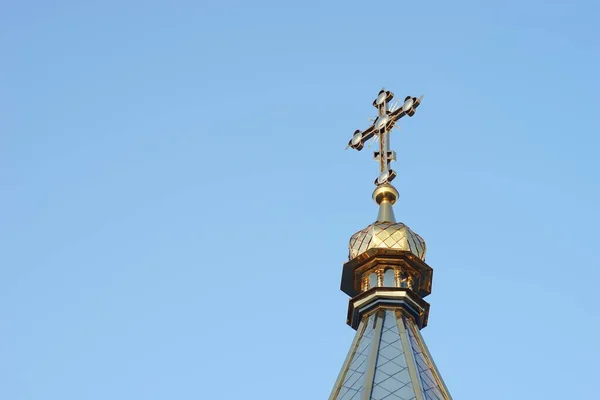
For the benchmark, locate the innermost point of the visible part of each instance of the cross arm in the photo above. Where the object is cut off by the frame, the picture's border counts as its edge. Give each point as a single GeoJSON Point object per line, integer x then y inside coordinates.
{"type": "Point", "coordinates": [408, 108]}
{"type": "Point", "coordinates": [360, 137]}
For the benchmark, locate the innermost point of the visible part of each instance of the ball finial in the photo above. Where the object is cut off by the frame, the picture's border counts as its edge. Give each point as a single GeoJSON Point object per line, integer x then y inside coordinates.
{"type": "Point", "coordinates": [385, 192]}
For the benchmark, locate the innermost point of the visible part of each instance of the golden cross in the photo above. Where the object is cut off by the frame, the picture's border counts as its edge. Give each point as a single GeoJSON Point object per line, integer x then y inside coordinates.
{"type": "Point", "coordinates": [382, 126]}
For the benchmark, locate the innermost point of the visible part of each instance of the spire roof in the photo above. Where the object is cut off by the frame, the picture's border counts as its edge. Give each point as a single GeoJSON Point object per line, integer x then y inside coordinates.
{"type": "Point", "coordinates": [389, 360]}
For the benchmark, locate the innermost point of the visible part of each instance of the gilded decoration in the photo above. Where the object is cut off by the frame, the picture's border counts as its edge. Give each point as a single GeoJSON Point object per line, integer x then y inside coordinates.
{"type": "Point", "coordinates": [386, 235]}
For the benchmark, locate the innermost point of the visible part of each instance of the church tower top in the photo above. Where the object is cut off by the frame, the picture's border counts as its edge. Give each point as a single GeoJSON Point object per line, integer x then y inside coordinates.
{"type": "Point", "coordinates": [387, 279]}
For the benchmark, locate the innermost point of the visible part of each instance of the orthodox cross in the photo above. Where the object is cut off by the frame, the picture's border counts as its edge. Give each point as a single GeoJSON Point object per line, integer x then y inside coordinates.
{"type": "Point", "coordinates": [381, 128]}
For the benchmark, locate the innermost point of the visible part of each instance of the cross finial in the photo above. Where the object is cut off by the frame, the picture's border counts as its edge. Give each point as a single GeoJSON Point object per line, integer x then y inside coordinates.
{"type": "Point", "coordinates": [380, 129]}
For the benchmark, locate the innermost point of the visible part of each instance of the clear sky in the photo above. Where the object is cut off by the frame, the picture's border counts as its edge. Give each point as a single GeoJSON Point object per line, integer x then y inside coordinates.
{"type": "Point", "coordinates": [176, 201]}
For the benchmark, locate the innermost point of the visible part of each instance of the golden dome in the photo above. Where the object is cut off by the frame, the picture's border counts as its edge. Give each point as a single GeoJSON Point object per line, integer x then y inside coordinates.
{"type": "Point", "coordinates": [386, 235]}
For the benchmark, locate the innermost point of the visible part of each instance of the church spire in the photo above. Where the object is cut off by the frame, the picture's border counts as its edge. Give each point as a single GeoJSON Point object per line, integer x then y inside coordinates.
{"type": "Point", "coordinates": [387, 278]}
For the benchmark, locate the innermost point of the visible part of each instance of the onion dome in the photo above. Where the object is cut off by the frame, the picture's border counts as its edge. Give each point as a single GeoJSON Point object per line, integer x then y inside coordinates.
{"type": "Point", "coordinates": [386, 233]}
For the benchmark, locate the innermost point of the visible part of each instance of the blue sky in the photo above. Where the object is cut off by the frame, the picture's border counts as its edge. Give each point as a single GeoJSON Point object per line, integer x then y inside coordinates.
{"type": "Point", "coordinates": [176, 202]}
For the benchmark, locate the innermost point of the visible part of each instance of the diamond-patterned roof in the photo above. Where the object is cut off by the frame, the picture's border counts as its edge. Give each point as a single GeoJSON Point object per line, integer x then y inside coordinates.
{"type": "Point", "coordinates": [389, 235]}
{"type": "Point", "coordinates": [390, 361]}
